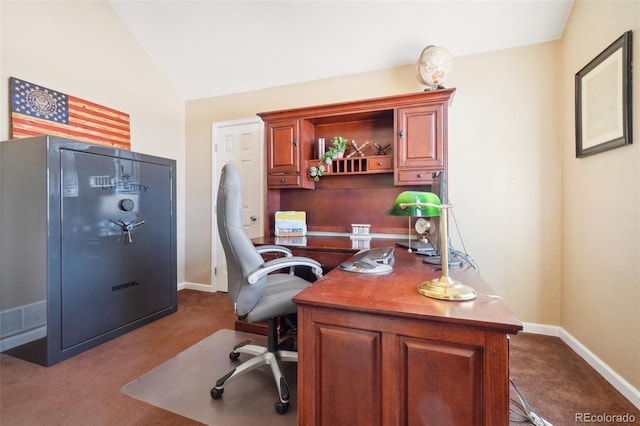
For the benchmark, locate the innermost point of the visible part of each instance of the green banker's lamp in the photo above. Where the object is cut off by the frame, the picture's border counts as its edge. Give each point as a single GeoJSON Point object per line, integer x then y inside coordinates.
{"type": "Point", "coordinates": [427, 204]}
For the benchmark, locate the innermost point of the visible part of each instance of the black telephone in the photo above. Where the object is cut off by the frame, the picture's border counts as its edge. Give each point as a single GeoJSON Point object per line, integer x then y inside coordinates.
{"type": "Point", "coordinates": [373, 261]}
{"type": "Point", "coordinates": [383, 255]}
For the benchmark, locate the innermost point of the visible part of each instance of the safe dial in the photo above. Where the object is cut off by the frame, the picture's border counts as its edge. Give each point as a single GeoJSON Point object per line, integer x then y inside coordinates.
{"type": "Point", "coordinates": [126, 204]}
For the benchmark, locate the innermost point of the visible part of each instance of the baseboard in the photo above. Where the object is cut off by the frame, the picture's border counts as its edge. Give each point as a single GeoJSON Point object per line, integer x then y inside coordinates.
{"type": "Point", "coordinates": [195, 286]}
{"type": "Point", "coordinates": [11, 342]}
{"type": "Point", "coordinates": [621, 385]}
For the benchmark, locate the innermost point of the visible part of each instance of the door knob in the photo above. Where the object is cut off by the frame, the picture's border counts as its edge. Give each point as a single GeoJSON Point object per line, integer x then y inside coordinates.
{"type": "Point", "coordinates": [253, 218]}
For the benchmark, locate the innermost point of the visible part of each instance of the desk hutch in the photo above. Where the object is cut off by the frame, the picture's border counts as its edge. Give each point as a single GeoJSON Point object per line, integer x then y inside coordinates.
{"type": "Point", "coordinates": [413, 126]}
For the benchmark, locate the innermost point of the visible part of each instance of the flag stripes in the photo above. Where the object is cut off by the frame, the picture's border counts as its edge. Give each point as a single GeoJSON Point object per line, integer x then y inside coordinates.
{"type": "Point", "coordinates": [24, 126]}
{"type": "Point", "coordinates": [36, 110]}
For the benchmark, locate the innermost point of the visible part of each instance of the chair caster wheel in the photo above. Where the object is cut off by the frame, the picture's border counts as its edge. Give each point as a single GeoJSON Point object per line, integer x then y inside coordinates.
{"type": "Point", "coordinates": [282, 407]}
{"type": "Point", "coordinates": [233, 356]}
{"type": "Point", "coordinates": [216, 393]}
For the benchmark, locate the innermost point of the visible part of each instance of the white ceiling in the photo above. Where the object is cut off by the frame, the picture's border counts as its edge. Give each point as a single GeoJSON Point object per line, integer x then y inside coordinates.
{"type": "Point", "coordinates": [212, 48]}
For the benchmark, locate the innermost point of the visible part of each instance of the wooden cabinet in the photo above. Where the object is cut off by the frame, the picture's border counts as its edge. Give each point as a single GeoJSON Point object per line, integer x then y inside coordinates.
{"type": "Point", "coordinates": [420, 143]}
{"type": "Point", "coordinates": [283, 147]}
{"type": "Point", "coordinates": [412, 129]}
{"type": "Point", "coordinates": [285, 153]}
{"type": "Point", "coordinates": [373, 351]}
{"type": "Point", "coordinates": [381, 371]}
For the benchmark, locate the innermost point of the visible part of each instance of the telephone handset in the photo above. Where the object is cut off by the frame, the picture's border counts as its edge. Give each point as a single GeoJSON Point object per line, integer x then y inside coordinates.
{"type": "Point", "coordinates": [382, 255]}
{"type": "Point", "coordinates": [374, 261]}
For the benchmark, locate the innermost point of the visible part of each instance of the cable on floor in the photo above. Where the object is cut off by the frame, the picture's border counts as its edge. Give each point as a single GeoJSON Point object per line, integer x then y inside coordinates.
{"type": "Point", "coordinates": [523, 412]}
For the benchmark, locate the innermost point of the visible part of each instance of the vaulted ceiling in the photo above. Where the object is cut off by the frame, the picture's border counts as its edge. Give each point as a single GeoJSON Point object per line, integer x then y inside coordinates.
{"type": "Point", "coordinates": [212, 48]}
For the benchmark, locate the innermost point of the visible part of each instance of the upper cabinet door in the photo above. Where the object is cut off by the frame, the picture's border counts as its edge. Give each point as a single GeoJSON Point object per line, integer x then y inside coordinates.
{"type": "Point", "coordinates": [420, 143]}
{"type": "Point", "coordinates": [283, 147]}
{"type": "Point", "coordinates": [420, 136]}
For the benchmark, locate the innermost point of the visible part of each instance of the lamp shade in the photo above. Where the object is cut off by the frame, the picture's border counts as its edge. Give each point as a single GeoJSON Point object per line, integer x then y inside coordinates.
{"type": "Point", "coordinates": [416, 204]}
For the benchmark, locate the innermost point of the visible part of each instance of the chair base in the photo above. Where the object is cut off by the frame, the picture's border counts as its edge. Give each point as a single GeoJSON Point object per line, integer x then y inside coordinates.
{"type": "Point", "coordinates": [271, 355]}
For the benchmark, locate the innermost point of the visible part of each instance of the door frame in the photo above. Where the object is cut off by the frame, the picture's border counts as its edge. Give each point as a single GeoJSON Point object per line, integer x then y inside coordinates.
{"type": "Point", "coordinates": [216, 165]}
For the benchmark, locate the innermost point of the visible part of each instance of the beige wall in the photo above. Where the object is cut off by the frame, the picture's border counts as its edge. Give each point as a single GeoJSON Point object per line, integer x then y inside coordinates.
{"type": "Point", "coordinates": [84, 49]}
{"type": "Point", "coordinates": [601, 205]}
{"type": "Point", "coordinates": [503, 164]}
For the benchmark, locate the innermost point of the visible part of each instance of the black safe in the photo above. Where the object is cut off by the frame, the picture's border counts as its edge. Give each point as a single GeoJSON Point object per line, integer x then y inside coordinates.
{"type": "Point", "coordinates": [87, 245]}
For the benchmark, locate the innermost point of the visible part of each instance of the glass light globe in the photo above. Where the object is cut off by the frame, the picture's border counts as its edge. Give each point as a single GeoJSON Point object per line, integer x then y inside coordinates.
{"type": "Point", "coordinates": [434, 64]}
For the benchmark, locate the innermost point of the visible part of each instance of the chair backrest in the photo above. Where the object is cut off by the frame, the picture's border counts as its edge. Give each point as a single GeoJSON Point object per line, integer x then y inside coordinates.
{"type": "Point", "coordinates": [240, 253]}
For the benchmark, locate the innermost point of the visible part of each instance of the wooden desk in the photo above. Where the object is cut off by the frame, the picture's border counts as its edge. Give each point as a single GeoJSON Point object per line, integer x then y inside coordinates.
{"type": "Point", "coordinates": [373, 351]}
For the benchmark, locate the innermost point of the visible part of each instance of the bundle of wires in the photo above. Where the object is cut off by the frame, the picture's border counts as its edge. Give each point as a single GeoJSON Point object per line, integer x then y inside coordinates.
{"type": "Point", "coordinates": [521, 412]}
{"type": "Point", "coordinates": [462, 255]}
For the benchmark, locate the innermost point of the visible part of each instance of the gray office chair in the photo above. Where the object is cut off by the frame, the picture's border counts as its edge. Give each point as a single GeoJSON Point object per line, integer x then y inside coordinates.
{"type": "Point", "coordinates": [258, 289]}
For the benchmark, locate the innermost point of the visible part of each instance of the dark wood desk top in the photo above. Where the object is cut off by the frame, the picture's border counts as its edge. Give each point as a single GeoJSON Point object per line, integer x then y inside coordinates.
{"type": "Point", "coordinates": [396, 294]}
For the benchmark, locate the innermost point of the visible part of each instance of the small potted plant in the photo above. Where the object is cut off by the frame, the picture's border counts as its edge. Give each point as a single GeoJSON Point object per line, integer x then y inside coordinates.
{"type": "Point", "coordinates": [336, 150]}
{"type": "Point", "coordinates": [339, 146]}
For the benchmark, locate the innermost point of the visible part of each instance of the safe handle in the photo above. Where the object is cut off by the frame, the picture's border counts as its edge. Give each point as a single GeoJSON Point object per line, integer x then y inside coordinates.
{"type": "Point", "coordinates": [128, 227]}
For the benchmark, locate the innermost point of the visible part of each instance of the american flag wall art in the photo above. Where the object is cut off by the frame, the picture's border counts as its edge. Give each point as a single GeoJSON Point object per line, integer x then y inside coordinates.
{"type": "Point", "coordinates": [37, 110]}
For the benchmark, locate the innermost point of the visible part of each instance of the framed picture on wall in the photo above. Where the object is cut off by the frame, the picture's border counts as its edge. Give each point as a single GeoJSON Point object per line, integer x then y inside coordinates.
{"type": "Point", "coordinates": [603, 100]}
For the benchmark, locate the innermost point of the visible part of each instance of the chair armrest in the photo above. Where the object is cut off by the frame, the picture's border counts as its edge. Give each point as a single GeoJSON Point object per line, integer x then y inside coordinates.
{"type": "Point", "coordinates": [285, 262]}
{"type": "Point", "coordinates": [274, 248]}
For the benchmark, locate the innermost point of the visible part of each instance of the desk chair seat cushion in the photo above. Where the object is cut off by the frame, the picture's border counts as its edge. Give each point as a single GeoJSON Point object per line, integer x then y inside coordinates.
{"type": "Point", "coordinates": [276, 297]}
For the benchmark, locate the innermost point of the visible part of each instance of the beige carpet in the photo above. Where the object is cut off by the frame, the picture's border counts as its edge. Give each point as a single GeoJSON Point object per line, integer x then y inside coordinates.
{"type": "Point", "coordinates": [182, 385]}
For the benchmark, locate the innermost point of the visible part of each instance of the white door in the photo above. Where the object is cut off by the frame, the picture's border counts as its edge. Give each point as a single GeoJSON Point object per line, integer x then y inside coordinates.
{"type": "Point", "coordinates": [240, 142]}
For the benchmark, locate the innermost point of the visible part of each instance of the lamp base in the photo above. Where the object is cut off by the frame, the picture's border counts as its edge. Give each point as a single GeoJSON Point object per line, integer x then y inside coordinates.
{"type": "Point", "coordinates": [445, 288]}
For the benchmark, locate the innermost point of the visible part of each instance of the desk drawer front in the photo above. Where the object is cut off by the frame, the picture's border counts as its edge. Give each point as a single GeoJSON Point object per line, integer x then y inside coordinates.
{"type": "Point", "coordinates": [283, 180]}
{"type": "Point", "coordinates": [380, 163]}
{"type": "Point", "coordinates": [414, 176]}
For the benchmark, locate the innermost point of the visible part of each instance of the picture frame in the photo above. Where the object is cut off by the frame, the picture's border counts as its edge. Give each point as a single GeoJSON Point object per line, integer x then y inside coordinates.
{"type": "Point", "coordinates": [603, 100]}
